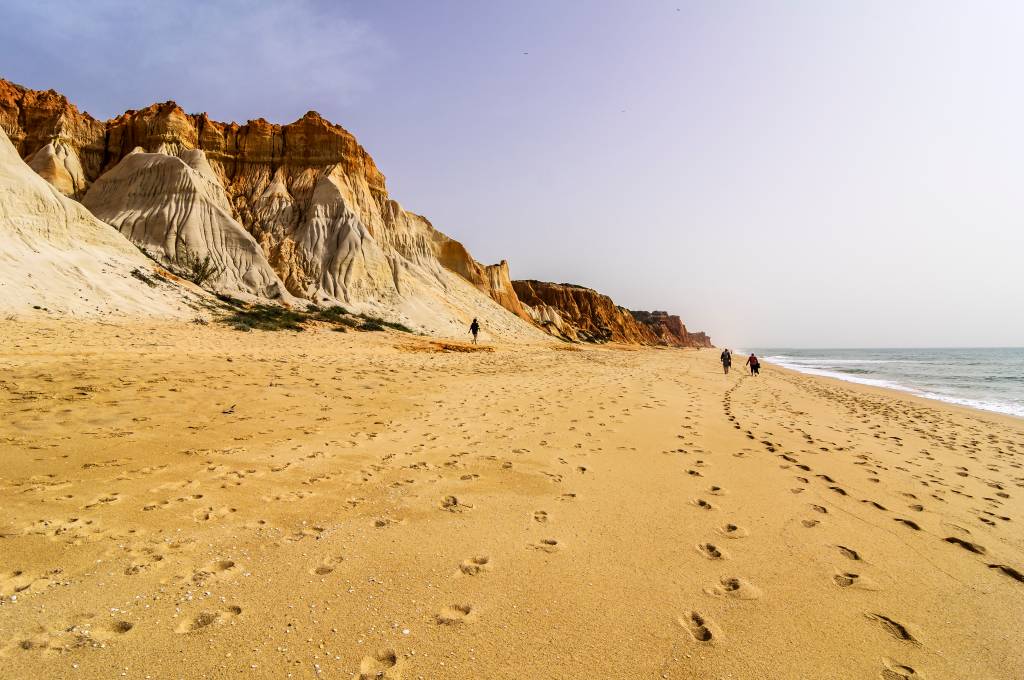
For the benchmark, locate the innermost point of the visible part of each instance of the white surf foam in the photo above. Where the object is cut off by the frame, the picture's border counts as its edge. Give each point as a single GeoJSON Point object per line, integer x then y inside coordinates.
{"type": "Point", "coordinates": [1007, 408]}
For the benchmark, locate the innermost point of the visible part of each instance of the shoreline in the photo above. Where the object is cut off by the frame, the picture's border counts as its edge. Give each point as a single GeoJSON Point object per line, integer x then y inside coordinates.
{"type": "Point", "coordinates": [907, 392]}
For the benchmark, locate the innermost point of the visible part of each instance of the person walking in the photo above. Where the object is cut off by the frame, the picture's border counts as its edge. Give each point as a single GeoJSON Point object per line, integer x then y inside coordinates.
{"type": "Point", "coordinates": [726, 360]}
{"type": "Point", "coordinates": [755, 365]}
{"type": "Point", "coordinates": [474, 328]}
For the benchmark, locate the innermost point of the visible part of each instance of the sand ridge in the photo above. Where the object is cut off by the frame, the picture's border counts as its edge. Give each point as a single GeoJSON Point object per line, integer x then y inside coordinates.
{"type": "Point", "coordinates": [189, 501]}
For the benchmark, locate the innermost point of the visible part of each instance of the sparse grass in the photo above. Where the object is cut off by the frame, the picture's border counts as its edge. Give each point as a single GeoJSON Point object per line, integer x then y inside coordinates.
{"type": "Point", "coordinates": [372, 323]}
{"type": "Point", "coordinates": [197, 270]}
{"type": "Point", "coordinates": [250, 317]}
{"type": "Point", "coordinates": [334, 313]}
{"type": "Point", "coordinates": [265, 318]}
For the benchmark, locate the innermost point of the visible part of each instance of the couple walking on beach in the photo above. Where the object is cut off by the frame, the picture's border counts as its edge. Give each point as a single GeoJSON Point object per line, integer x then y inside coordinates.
{"type": "Point", "coordinates": [755, 365]}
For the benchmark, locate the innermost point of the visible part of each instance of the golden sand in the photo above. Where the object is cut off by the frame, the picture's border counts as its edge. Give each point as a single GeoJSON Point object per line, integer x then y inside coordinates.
{"type": "Point", "coordinates": [184, 501]}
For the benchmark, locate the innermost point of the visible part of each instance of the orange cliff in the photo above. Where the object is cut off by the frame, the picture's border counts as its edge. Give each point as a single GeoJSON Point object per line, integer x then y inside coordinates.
{"type": "Point", "coordinates": [252, 162]}
{"type": "Point", "coordinates": [577, 313]}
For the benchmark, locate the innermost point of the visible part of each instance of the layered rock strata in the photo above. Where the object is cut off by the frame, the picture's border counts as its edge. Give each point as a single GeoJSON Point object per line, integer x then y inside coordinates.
{"type": "Point", "coordinates": [670, 329]}
{"type": "Point", "coordinates": [284, 211]}
{"type": "Point", "coordinates": [294, 213]}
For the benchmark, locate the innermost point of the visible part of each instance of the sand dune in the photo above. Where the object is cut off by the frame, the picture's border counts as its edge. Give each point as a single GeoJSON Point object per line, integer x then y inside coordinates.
{"type": "Point", "coordinates": [194, 502]}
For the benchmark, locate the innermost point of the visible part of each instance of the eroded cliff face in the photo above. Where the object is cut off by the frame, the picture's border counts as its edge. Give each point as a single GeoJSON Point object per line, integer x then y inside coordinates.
{"type": "Point", "coordinates": [295, 212]}
{"type": "Point", "coordinates": [306, 194]}
{"type": "Point", "coordinates": [582, 314]}
{"type": "Point", "coordinates": [670, 330]}
{"type": "Point", "coordinates": [57, 258]}
{"type": "Point", "coordinates": [579, 313]}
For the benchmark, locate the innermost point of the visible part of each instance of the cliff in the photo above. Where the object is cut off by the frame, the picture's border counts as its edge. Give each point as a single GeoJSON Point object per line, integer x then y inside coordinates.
{"type": "Point", "coordinates": [582, 314]}
{"type": "Point", "coordinates": [284, 211]}
{"type": "Point", "coordinates": [296, 213]}
{"type": "Point", "coordinates": [670, 330]}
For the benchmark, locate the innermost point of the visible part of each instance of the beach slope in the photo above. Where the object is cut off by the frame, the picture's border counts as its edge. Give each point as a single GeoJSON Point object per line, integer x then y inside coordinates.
{"type": "Point", "coordinates": [187, 501]}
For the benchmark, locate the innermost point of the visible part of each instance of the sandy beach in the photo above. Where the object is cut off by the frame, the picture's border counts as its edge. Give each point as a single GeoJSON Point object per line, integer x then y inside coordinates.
{"type": "Point", "coordinates": [188, 501]}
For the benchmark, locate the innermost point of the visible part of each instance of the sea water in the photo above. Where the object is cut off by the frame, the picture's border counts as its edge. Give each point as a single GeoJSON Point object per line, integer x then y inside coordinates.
{"type": "Point", "coordinates": [990, 378]}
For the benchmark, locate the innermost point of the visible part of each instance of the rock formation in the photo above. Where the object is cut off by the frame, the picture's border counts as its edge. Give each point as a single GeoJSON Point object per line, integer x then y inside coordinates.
{"type": "Point", "coordinates": [670, 330]}
{"type": "Point", "coordinates": [577, 313]}
{"type": "Point", "coordinates": [580, 313]}
{"type": "Point", "coordinates": [174, 209]}
{"type": "Point", "coordinates": [292, 213]}
{"type": "Point", "coordinates": [284, 211]}
{"type": "Point", "coordinates": [57, 257]}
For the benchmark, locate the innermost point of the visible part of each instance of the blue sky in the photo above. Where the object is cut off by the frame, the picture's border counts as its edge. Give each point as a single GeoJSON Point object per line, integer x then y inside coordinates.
{"type": "Point", "coordinates": [778, 173]}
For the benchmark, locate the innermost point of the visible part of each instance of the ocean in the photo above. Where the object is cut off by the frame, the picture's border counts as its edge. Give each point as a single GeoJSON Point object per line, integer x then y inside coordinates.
{"type": "Point", "coordinates": [991, 379]}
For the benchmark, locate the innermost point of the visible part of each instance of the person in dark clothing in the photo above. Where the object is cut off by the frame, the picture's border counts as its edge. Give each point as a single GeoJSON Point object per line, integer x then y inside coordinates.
{"type": "Point", "coordinates": [474, 328]}
{"type": "Point", "coordinates": [726, 360]}
{"type": "Point", "coordinates": [755, 365]}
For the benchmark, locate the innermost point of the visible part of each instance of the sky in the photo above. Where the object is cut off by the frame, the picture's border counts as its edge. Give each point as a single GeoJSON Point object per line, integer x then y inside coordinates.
{"type": "Point", "coordinates": [779, 174]}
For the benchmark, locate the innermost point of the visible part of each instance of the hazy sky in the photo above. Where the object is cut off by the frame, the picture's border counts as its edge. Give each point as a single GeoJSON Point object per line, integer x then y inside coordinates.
{"type": "Point", "coordinates": [778, 173]}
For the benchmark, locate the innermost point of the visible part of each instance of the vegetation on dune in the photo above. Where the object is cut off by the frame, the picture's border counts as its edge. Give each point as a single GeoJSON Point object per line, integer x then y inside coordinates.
{"type": "Point", "coordinates": [260, 317]}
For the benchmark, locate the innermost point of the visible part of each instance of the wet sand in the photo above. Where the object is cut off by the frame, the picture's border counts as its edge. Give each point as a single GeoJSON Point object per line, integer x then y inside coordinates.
{"type": "Point", "coordinates": [186, 501]}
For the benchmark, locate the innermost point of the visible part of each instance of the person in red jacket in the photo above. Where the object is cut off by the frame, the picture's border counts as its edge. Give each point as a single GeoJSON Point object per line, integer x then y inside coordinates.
{"type": "Point", "coordinates": [755, 365]}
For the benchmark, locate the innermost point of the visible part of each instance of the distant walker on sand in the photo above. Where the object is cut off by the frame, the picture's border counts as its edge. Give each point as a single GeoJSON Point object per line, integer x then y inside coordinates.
{"type": "Point", "coordinates": [755, 365]}
{"type": "Point", "coordinates": [726, 360]}
{"type": "Point", "coordinates": [474, 328]}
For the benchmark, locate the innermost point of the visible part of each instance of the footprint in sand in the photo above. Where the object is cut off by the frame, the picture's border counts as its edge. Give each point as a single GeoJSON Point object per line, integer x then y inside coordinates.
{"type": "Point", "coordinates": [737, 588]}
{"type": "Point", "coordinates": [540, 516]}
{"type": "Point", "coordinates": [548, 545]}
{"type": "Point", "coordinates": [112, 497]}
{"type": "Point", "coordinates": [698, 627]}
{"type": "Point", "coordinates": [453, 504]}
{"type": "Point", "coordinates": [703, 504]}
{"type": "Point", "coordinates": [819, 508]}
{"type": "Point", "coordinates": [216, 568]}
{"type": "Point", "coordinates": [808, 523]}
{"type": "Point", "coordinates": [456, 614]}
{"type": "Point", "coordinates": [849, 553]}
{"type": "Point", "coordinates": [897, 671]}
{"type": "Point", "coordinates": [908, 522]}
{"type": "Point", "coordinates": [710, 551]}
{"type": "Point", "coordinates": [207, 514]}
{"type": "Point", "coordinates": [205, 619]}
{"type": "Point", "coordinates": [893, 628]}
{"type": "Point", "coordinates": [474, 565]}
{"type": "Point", "coordinates": [1009, 571]}
{"type": "Point", "coordinates": [966, 545]}
{"type": "Point", "coordinates": [382, 665]}
{"type": "Point", "coordinates": [848, 579]}
{"type": "Point", "coordinates": [120, 627]}
{"type": "Point", "coordinates": [845, 579]}
{"type": "Point", "coordinates": [733, 531]}
{"type": "Point", "coordinates": [327, 566]}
